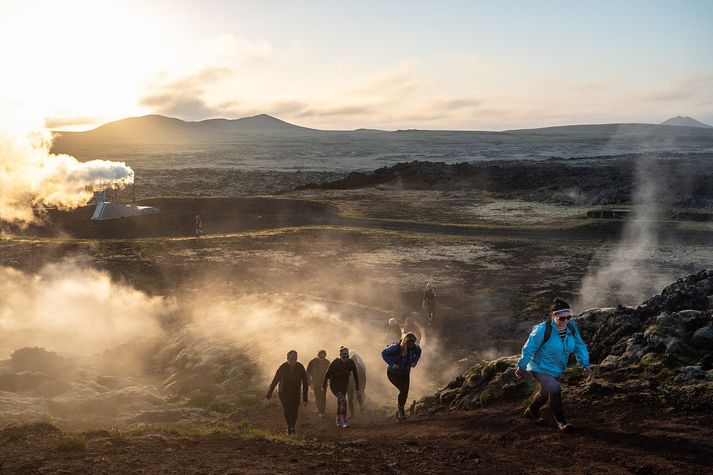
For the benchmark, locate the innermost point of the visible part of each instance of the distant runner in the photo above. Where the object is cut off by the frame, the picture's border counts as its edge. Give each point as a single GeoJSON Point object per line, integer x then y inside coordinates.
{"type": "Point", "coordinates": [429, 303]}
{"type": "Point", "coordinates": [353, 389]}
{"type": "Point", "coordinates": [338, 377]}
{"type": "Point", "coordinates": [316, 369]}
{"type": "Point", "coordinates": [199, 226]}
{"type": "Point", "coordinates": [545, 355]}
{"type": "Point", "coordinates": [290, 376]}
{"type": "Point", "coordinates": [400, 358]}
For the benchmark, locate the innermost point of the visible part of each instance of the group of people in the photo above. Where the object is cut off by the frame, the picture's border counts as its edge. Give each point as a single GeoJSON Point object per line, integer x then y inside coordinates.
{"type": "Point", "coordinates": [545, 354]}
{"type": "Point", "coordinates": [346, 378]}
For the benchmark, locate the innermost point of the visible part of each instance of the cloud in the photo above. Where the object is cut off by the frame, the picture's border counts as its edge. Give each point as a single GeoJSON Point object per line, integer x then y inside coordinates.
{"type": "Point", "coordinates": [695, 88]}
{"type": "Point", "coordinates": [183, 97]}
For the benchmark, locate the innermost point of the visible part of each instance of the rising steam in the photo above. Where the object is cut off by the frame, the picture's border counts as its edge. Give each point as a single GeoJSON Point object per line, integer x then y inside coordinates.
{"type": "Point", "coordinates": [110, 353]}
{"type": "Point", "coordinates": [32, 178]}
{"type": "Point", "coordinates": [621, 277]}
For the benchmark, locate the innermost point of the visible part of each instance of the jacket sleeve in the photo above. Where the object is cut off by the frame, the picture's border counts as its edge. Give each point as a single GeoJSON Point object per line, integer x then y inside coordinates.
{"type": "Point", "coordinates": [580, 348]}
{"type": "Point", "coordinates": [327, 375]}
{"type": "Point", "coordinates": [417, 352]}
{"type": "Point", "coordinates": [532, 344]}
{"type": "Point", "coordinates": [275, 380]}
{"type": "Point", "coordinates": [388, 354]}
{"type": "Point", "coordinates": [305, 385]}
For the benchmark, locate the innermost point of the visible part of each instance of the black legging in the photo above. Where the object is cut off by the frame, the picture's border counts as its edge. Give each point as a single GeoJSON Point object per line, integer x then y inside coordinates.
{"type": "Point", "coordinates": [401, 381]}
{"type": "Point", "coordinates": [341, 393]}
{"type": "Point", "coordinates": [291, 406]}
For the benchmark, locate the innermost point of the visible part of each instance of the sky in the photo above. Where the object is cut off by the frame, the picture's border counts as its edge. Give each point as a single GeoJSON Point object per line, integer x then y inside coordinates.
{"type": "Point", "coordinates": [466, 65]}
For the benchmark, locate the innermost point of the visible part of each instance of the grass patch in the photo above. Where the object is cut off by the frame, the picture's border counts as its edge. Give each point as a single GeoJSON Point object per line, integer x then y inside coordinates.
{"type": "Point", "coordinates": [72, 443]}
{"type": "Point", "coordinates": [244, 430]}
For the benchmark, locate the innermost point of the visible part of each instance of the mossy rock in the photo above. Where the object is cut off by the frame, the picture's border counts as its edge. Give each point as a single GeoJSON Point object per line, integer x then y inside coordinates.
{"type": "Point", "coordinates": [507, 386]}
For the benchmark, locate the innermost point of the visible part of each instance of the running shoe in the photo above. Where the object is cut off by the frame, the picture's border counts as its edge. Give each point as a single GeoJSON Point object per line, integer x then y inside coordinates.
{"type": "Point", "coordinates": [564, 426]}
{"type": "Point", "coordinates": [534, 416]}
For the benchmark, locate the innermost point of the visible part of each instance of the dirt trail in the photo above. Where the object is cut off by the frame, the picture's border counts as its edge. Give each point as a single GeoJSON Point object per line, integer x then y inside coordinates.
{"type": "Point", "coordinates": [492, 440]}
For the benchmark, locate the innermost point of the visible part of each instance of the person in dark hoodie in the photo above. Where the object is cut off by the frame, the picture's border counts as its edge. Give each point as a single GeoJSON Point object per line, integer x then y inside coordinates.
{"type": "Point", "coordinates": [338, 377]}
{"type": "Point", "coordinates": [400, 357]}
{"type": "Point", "coordinates": [290, 376]}
{"type": "Point", "coordinates": [316, 369]}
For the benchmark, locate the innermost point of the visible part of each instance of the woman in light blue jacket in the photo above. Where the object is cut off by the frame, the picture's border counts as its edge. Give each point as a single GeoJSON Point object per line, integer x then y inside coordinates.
{"type": "Point", "coordinates": [545, 355]}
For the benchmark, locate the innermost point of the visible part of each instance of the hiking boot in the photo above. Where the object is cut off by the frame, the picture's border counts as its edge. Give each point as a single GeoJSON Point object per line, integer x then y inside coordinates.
{"type": "Point", "coordinates": [564, 426]}
{"type": "Point", "coordinates": [401, 415]}
{"type": "Point", "coordinates": [534, 416]}
{"type": "Point", "coordinates": [290, 431]}
{"type": "Point", "coordinates": [345, 421]}
{"type": "Point", "coordinates": [339, 421]}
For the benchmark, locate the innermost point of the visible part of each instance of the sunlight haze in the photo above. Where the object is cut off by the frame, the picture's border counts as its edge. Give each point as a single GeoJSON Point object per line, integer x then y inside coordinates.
{"type": "Point", "coordinates": [334, 65]}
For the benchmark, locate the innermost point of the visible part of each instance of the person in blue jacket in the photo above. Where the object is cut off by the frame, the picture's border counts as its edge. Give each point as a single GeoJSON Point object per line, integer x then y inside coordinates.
{"type": "Point", "coordinates": [546, 354]}
{"type": "Point", "coordinates": [400, 357]}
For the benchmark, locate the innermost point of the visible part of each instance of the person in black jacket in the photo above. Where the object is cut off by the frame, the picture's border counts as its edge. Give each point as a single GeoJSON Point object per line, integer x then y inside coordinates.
{"type": "Point", "coordinates": [338, 377]}
{"type": "Point", "coordinates": [290, 376]}
{"type": "Point", "coordinates": [316, 369]}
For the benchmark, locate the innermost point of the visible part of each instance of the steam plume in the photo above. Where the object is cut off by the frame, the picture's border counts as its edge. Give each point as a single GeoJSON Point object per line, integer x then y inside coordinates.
{"type": "Point", "coordinates": [31, 177]}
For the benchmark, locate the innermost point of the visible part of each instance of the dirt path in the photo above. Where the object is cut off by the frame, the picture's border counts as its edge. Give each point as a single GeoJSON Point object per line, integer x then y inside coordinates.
{"type": "Point", "coordinates": [493, 440]}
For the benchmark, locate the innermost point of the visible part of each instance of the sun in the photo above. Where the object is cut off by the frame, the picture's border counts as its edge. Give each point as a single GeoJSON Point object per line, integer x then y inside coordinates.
{"type": "Point", "coordinates": [78, 61]}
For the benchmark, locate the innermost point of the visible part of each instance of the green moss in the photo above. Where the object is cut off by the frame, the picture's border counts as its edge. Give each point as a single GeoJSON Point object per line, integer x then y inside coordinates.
{"type": "Point", "coordinates": [72, 443]}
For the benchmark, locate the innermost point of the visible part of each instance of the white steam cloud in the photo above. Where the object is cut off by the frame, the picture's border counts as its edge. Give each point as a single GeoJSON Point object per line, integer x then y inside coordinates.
{"type": "Point", "coordinates": [622, 277]}
{"type": "Point", "coordinates": [71, 308]}
{"type": "Point", "coordinates": [31, 177]}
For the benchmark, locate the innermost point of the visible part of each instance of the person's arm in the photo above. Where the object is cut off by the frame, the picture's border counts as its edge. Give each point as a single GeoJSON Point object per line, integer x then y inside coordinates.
{"type": "Point", "coordinates": [531, 345]}
{"type": "Point", "coordinates": [388, 354]}
{"type": "Point", "coordinates": [305, 385]}
{"type": "Point", "coordinates": [417, 352]}
{"type": "Point", "coordinates": [274, 382]}
{"type": "Point", "coordinates": [327, 375]}
{"type": "Point", "coordinates": [580, 348]}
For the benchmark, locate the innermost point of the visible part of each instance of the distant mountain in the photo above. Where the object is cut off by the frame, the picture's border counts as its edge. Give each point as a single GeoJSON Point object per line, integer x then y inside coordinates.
{"type": "Point", "coordinates": [159, 129]}
{"type": "Point", "coordinates": [685, 122]}
{"type": "Point", "coordinates": [616, 130]}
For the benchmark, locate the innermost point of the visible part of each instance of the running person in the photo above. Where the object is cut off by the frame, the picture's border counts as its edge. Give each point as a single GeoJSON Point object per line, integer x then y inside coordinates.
{"type": "Point", "coordinates": [290, 376]}
{"type": "Point", "coordinates": [545, 355]}
{"type": "Point", "coordinates": [316, 369]}
{"type": "Point", "coordinates": [353, 389]}
{"type": "Point", "coordinates": [400, 358]}
{"type": "Point", "coordinates": [429, 303]}
{"type": "Point", "coordinates": [338, 377]}
{"type": "Point", "coordinates": [199, 226]}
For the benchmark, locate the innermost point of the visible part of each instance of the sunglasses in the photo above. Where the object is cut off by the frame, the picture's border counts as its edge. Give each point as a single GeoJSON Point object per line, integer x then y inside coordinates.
{"type": "Point", "coordinates": [566, 314]}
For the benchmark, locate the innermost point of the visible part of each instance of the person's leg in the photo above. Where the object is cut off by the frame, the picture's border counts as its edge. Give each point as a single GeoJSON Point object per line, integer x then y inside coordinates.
{"type": "Point", "coordinates": [541, 397]}
{"type": "Point", "coordinates": [551, 387]}
{"type": "Point", "coordinates": [286, 410]}
{"type": "Point", "coordinates": [403, 394]}
{"type": "Point", "coordinates": [294, 412]}
{"type": "Point", "coordinates": [322, 401]}
{"type": "Point", "coordinates": [402, 384]}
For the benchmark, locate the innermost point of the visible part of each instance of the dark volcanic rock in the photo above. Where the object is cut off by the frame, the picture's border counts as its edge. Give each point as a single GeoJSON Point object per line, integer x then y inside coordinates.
{"type": "Point", "coordinates": [663, 345]}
